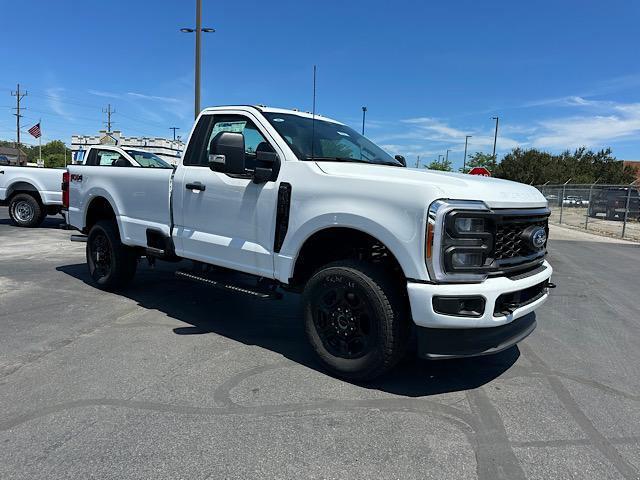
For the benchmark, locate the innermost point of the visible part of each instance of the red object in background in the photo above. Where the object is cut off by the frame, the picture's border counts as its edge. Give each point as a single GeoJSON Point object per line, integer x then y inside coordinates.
{"type": "Point", "coordinates": [483, 172]}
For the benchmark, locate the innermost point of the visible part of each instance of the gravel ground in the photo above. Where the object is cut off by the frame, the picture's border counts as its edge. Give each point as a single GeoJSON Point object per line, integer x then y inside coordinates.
{"type": "Point", "coordinates": [173, 380]}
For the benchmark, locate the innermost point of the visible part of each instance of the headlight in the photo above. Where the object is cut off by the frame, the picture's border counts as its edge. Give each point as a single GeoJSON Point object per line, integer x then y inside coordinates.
{"type": "Point", "coordinates": [466, 260]}
{"type": "Point", "coordinates": [458, 240]}
{"type": "Point", "coordinates": [469, 224]}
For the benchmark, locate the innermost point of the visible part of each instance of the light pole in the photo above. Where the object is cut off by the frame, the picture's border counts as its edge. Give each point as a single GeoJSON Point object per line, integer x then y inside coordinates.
{"type": "Point", "coordinates": [197, 31]}
{"type": "Point", "coordinates": [364, 112]}
{"type": "Point", "coordinates": [464, 160]}
{"type": "Point", "coordinates": [495, 137]}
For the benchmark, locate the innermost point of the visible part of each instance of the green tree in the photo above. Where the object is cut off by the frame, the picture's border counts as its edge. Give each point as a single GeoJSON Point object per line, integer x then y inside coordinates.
{"type": "Point", "coordinates": [53, 153]}
{"type": "Point", "coordinates": [443, 165]}
{"type": "Point", "coordinates": [581, 166]}
{"type": "Point", "coordinates": [54, 160]}
{"type": "Point", "coordinates": [480, 159]}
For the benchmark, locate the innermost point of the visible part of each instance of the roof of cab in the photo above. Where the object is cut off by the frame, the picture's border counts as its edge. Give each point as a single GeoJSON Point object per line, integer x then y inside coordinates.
{"type": "Point", "coordinates": [265, 109]}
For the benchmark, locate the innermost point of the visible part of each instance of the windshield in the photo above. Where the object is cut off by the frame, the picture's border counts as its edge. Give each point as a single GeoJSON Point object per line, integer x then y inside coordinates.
{"type": "Point", "coordinates": [332, 141]}
{"type": "Point", "coordinates": [147, 159]}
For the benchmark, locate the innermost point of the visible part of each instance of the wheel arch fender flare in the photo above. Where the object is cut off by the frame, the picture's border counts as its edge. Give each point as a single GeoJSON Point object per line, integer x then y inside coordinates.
{"type": "Point", "coordinates": [399, 247]}
{"type": "Point", "coordinates": [19, 185]}
{"type": "Point", "coordinates": [95, 195]}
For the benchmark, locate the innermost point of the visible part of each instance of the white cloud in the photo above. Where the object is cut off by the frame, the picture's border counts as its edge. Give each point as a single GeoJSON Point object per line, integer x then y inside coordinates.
{"type": "Point", "coordinates": [102, 93]}
{"type": "Point", "coordinates": [152, 97]}
{"type": "Point", "coordinates": [56, 104]}
{"type": "Point", "coordinates": [619, 122]}
{"type": "Point", "coordinates": [428, 137]}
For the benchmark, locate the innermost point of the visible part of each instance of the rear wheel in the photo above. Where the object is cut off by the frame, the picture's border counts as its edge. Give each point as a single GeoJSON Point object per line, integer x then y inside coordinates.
{"type": "Point", "coordinates": [356, 320]}
{"type": "Point", "coordinates": [26, 211]}
{"type": "Point", "coordinates": [111, 263]}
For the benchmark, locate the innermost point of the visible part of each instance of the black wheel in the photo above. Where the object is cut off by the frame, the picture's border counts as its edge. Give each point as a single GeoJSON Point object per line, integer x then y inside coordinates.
{"type": "Point", "coordinates": [356, 320]}
{"type": "Point", "coordinates": [26, 211]}
{"type": "Point", "coordinates": [111, 264]}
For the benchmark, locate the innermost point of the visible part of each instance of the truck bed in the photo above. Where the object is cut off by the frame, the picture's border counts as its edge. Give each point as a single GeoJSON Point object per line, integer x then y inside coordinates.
{"type": "Point", "coordinates": [47, 181]}
{"type": "Point", "coordinates": [139, 195]}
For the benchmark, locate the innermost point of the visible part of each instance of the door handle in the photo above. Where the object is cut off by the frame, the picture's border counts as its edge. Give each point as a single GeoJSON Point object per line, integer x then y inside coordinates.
{"type": "Point", "coordinates": [196, 186]}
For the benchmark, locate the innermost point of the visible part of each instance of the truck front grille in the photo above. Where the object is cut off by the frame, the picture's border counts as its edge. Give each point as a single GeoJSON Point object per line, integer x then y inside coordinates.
{"type": "Point", "coordinates": [509, 243]}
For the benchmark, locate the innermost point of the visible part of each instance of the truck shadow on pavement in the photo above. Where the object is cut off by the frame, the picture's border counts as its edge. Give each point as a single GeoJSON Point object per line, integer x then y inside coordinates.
{"type": "Point", "coordinates": [278, 327]}
{"type": "Point", "coordinates": [49, 222]}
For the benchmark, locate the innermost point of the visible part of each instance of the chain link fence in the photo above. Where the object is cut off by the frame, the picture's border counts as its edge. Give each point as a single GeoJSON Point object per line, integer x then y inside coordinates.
{"type": "Point", "coordinates": [611, 210]}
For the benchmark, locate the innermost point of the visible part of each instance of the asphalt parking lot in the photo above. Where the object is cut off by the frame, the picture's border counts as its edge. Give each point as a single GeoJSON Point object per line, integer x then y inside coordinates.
{"type": "Point", "coordinates": [174, 380]}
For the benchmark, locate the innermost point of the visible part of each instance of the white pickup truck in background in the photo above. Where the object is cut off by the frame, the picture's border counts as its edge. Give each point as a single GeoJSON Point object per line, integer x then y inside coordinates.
{"type": "Point", "coordinates": [33, 193]}
{"type": "Point", "coordinates": [267, 199]}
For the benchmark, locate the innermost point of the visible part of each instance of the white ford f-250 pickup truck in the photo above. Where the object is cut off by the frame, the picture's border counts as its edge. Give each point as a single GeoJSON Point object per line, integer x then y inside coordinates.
{"type": "Point", "coordinates": [304, 203]}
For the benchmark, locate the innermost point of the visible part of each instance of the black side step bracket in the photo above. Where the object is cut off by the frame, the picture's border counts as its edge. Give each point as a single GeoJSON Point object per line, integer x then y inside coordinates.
{"type": "Point", "coordinates": [222, 282]}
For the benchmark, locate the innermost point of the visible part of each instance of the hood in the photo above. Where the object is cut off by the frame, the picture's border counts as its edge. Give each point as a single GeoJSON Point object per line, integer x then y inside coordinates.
{"type": "Point", "coordinates": [495, 192]}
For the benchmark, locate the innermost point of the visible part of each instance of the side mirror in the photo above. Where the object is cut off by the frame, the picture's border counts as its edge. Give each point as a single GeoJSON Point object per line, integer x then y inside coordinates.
{"type": "Point", "coordinates": [401, 159]}
{"type": "Point", "coordinates": [226, 153]}
{"type": "Point", "coordinates": [266, 163]}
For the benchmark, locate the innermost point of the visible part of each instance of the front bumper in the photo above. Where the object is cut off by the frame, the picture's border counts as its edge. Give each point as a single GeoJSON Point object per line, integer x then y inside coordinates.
{"type": "Point", "coordinates": [421, 295]}
{"type": "Point", "coordinates": [442, 343]}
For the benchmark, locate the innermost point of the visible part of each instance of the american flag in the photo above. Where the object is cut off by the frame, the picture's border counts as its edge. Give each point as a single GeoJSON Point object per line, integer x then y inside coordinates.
{"type": "Point", "coordinates": [35, 130]}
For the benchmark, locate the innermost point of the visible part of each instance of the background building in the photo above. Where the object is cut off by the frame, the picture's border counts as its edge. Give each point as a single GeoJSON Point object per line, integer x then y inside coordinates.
{"type": "Point", "coordinates": [169, 150]}
{"type": "Point", "coordinates": [635, 164]}
{"type": "Point", "coordinates": [12, 155]}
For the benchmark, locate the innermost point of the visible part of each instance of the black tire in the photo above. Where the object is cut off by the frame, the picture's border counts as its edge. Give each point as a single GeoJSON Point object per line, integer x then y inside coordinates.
{"type": "Point", "coordinates": [26, 211]}
{"type": "Point", "coordinates": [356, 319]}
{"type": "Point", "coordinates": [112, 264]}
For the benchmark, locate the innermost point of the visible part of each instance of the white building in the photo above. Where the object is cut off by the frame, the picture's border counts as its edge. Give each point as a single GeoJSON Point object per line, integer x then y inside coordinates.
{"type": "Point", "coordinates": [169, 150]}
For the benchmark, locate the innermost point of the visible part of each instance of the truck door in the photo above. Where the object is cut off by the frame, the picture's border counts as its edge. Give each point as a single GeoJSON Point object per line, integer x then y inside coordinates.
{"type": "Point", "coordinates": [219, 218]}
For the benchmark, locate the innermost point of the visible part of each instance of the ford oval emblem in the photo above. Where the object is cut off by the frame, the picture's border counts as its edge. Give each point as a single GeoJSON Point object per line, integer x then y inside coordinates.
{"type": "Point", "coordinates": [538, 238]}
{"type": "Point", "coordinates": [534, 237]}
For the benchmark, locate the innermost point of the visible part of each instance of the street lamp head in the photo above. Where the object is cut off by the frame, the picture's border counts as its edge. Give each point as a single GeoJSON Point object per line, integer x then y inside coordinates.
{"type": "Point", "coordinates": [208, 30]}
{"type": "Point", "coordinates": [187, 30]}
{"type": "Point", "coordinates": [364, 109]}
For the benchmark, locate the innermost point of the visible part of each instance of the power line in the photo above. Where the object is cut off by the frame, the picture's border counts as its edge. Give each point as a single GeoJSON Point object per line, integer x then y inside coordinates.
{"type": "Point", "coordinates": [19, 96]}
{"type": "Point", "coordinates": [109, 112]}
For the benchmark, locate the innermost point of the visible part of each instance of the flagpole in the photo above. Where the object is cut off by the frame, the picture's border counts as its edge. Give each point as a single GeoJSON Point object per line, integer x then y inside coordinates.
{"type": "Point", "coordinates": [40, 144]}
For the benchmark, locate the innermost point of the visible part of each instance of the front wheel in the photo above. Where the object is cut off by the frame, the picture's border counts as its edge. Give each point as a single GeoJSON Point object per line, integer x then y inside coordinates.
{"type": "Point", "coordinates": [356, 319]}
{"type": "Point", "coordinates": [26, 211]}
{"type": "Point", "coordinates": [111, 263]}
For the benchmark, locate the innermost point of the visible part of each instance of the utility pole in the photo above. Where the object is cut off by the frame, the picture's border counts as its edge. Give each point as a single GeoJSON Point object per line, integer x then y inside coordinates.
{"type": "Point", "coordinates": [495, 138]}
{"type": "Point", "coordinates": [174, 132]}
{"type": "Point", "coordinates": [19, 96]}
{"type": "Point", "coordinates": [464, 161]}
{"type": "Point", "coordinates": [198, 30]}
{"type": "Point", "coordinates": [198, 35]}
{"type": "Point", "coordinates": [364, 111]}
{"type": "Point", "coordinates": [109, 112]}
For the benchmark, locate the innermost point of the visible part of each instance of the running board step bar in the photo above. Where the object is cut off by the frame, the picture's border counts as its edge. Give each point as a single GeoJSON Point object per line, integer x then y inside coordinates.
{"type": "Point", "coordinates": [225, 284]}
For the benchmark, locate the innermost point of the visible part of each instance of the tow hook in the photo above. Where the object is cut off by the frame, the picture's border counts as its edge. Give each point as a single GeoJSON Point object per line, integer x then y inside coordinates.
{"type": "Point", "coordinates": [551, 285]}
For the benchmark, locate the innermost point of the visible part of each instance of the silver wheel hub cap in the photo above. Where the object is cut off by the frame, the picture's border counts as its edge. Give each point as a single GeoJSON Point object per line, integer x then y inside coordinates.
{"type": "Point", "coordinates": [23, 212]}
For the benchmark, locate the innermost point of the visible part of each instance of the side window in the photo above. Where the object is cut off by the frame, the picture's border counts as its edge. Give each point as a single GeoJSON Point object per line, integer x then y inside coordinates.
{"type": "Point", "coordinates": [108, 158]}
{"type": "Point", "coordinates": [253, 139]}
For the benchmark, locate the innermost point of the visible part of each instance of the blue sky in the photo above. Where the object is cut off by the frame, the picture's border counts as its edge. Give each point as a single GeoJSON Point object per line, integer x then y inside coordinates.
{"type": "Point", "coordinates": [560, 74]}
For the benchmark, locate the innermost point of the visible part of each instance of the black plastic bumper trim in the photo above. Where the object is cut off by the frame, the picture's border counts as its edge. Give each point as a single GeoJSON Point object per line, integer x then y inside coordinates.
{"type": "Point", "coordinates": [442, 343]}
